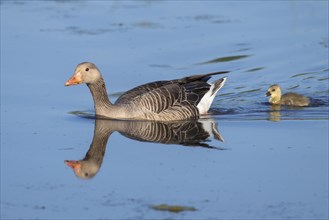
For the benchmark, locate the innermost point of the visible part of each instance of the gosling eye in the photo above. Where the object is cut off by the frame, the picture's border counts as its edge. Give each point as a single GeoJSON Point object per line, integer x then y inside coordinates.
{"type": "Point", "coordinates": [87, 69]}
{"type": "Point", "coordinates": [273, 90]}
{"type": "Point", "coordinates": [86, 174]}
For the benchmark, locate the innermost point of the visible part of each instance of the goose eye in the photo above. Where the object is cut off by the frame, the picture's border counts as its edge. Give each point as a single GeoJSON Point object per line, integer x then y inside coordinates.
{"type": "Point", "coordinates": [87, 69]}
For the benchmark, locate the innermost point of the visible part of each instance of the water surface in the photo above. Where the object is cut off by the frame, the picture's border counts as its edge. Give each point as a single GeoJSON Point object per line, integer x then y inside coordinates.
{"type": "Point", "coordinates": [269, 163]}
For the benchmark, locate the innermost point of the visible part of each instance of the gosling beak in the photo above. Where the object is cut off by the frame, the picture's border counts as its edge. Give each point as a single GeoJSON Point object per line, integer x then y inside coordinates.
{"type": "Point", "coordinates": [268, 94]}
{"type": "Point", "coordinates": [74, 80]}
{"type": "Point", "coordinates": [73, 164]}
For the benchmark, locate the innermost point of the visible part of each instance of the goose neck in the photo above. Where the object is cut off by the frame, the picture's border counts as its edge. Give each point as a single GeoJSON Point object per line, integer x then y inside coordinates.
{"type": "Point", "coordinates": [100, 97]}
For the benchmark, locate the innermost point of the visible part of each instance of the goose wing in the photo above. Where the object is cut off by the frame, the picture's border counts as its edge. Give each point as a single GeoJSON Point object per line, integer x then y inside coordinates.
{"type": "Point", "coordinates": [170, 97]}
{"type": "Point", "coordinates": [149, 87]}
{"type": "Point", "coordinates": [139, 90]}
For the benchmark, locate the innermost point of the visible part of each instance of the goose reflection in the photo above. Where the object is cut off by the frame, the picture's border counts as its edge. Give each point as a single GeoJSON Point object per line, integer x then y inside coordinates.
{"type": "Point", "coordinates": [187, 133]}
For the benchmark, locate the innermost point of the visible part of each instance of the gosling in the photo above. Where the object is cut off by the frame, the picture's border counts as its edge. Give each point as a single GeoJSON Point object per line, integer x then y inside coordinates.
{"type": "Point", "coordinates": [291, 99]}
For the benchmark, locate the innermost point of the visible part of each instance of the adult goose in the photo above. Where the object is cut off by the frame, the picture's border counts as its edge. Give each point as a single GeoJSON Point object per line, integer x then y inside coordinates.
{"type": "Point", "coordinates": [179, 99]}
{"type": "Point", "coordinates": [290, 98]}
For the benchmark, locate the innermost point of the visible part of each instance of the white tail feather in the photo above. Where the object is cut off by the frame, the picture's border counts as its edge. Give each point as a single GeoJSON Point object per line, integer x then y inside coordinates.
{"type": "Point", "coordinates": [208, 98]}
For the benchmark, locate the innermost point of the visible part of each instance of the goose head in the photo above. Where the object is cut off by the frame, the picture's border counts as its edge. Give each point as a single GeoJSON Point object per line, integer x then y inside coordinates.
{"type": "Point", "coordinates": [274, 91]}
{"type": "Point", "coordinates": [83, 169]}
{"type": "Point", "coordinates": [84, 73]}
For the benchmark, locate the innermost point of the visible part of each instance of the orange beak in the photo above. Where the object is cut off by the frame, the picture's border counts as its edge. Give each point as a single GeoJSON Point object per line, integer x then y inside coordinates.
{"type": "Point", "coordinates": [74, 80]}
{"type": "Point", "coordinates": [75, 165]}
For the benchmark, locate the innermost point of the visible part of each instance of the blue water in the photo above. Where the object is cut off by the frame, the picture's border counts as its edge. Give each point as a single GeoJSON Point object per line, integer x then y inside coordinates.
{"type": "Point", "coordinates": [273, 163]}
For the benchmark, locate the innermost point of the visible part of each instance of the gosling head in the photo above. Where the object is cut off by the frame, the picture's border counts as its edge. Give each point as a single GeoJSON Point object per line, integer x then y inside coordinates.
{"type": "Point", "coordinates": [275, 94]}
{"type": "Point", "coordinates": [84, 73]}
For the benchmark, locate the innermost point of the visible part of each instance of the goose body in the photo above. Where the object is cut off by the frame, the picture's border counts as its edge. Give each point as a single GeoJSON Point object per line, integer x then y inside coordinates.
{"type": "Point", "coordinates": [290, 98]}
{"type": "Point", "coordinates": [167, 100]}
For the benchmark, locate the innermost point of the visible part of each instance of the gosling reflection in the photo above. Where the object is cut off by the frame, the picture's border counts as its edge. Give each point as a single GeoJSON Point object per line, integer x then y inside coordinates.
{"type": "Point", "coordinates": [279, 112]}
{"type": "Point", "coordinates": [274, 113]}
{"type": "Point", "coordinates": [187, 133]}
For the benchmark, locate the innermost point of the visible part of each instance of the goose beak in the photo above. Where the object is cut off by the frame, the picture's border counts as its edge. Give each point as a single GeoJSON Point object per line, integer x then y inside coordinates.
{"type": "Point", "coordinates": [75, 165]}
{"type": "Point", "coordinates": [74, 80]}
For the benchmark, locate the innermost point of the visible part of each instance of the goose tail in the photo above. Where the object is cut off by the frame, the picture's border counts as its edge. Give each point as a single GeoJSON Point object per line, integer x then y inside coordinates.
{"type": "Point", "coordinates": [208, 98]}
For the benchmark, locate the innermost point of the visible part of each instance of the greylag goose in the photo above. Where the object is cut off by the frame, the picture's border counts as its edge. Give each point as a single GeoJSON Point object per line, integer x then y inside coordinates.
{"type": "Point", "coordinates": [290, 98]}
{"type": "Point", "coordinates": [187, 133]}
{"type": "Point", "coordinates": [171, 100]}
